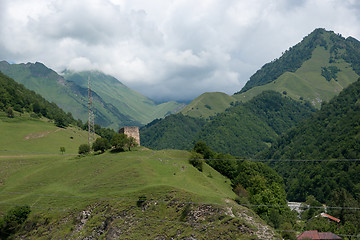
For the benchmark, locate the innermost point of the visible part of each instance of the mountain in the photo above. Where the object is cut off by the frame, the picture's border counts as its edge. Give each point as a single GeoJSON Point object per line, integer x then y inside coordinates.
{"type": "Point", "coordinates": [331, 133]}
{"type": "Point", "coordinates": [110, 109]}
{"type": "Point", "coordinates": [242, 130]}
{"type": "Point", "coordinates": [316, 69]}
{"type": "Point", "coordinates": [128, 101]}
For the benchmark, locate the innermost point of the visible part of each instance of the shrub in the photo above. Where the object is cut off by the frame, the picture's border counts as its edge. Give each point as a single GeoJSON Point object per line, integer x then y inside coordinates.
{"type": "Point", "coordinates": [196, 159]}
{"type": "Point", "coordinates": [84, 149]}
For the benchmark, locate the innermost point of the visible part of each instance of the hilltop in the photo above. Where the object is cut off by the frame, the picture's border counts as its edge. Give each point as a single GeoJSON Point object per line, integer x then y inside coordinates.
{"type": "Point", "coordinates": [143, 193]}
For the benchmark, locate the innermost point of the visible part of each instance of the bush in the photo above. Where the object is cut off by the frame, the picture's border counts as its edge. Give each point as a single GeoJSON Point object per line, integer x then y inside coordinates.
{"type": "Point", "coordinates": [12, 220]}
{"type": "Point", "coordinates": [196, 159]}
{"type": "Point", "coordinates": [101, 144]}
{"type": "Point", "coordinates": [141, 201]}
{"type": "Point", "coordinates": [84, 149]}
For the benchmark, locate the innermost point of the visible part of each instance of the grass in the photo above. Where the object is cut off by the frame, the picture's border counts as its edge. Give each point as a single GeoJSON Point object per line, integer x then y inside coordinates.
{"type": "Point", "coordinates": [122, 175]}
{"type": "Point", "coordinates": [59, 188]}
{"type": "Point", "coordinates": [26, 135]}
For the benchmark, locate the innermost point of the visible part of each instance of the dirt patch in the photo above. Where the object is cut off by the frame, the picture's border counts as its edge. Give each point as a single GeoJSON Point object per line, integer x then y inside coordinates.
{"type": "Point", "coordinates": [41, 134]}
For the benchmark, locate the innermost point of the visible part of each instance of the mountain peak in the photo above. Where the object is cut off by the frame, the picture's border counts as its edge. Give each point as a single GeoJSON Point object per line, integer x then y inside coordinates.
{"type": "Point", "coordinates": [293, 58]}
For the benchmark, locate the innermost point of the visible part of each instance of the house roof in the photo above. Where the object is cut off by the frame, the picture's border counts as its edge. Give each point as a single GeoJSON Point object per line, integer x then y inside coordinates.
{"type": "Point", "coordinates": [330, 217]}
{"type": "Point", "coordinates": [318, 235]}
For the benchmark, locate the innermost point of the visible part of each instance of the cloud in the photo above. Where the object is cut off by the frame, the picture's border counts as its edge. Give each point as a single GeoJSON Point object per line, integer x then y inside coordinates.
{"type": "Point", "coordinates": [166, 49]}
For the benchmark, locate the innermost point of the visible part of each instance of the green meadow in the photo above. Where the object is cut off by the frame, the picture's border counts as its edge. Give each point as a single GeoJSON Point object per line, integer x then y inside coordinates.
{"type": "Point", "coordinates": [25, 135]}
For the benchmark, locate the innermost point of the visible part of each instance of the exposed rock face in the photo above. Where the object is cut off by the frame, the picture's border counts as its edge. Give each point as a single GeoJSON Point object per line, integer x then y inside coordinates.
{"type": "Point", "coordinates": [168, 219]}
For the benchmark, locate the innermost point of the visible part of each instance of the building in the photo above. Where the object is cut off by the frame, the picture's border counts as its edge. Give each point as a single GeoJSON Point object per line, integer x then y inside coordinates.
{"type": "Point", "coordinates": [318, 235]}
{"type": "Point", "coordinates": [131, 132]}
{"type": "Point", "coordinates": [331, 218]}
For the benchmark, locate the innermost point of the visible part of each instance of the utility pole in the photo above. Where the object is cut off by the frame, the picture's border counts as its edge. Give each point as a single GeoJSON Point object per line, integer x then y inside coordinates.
{"type": "Point", "coordinates": [91, 125]}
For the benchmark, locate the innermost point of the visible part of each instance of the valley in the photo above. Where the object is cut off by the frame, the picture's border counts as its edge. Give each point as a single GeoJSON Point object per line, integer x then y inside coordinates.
{"type": "Point", "coordinates": [222, 167]}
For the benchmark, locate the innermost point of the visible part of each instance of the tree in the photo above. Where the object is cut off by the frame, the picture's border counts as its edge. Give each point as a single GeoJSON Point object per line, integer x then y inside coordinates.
{"type": "Point", "coordinates": [119, 141]}
{"type": "Point", "coordinates": [196, 159]}
{"type": "Point", "coordinates": [10, 112]}
{"type": "Point", "coordinates": [84, 149]}
{"type": "Point", "coordinates": [62, 150]}
{"type": "Point", "coordinates": [101, 144]}
{"type": "Point", "coordinates": [132, 143]}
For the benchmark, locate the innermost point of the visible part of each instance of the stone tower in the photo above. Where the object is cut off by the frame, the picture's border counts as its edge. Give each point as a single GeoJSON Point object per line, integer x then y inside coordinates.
{"type": "Point", "coordinates": [131, 132]}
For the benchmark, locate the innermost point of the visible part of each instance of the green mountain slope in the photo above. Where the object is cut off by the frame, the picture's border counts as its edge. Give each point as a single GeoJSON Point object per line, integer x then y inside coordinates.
{"type": "Point", "coordinates": [304, 71]}
{"type": "Point", "coordinates": [332, 133]}
{"type": "Point", "coordinates": [242, 130]}
{"type": "Point", "coordinates": [175, 131]}
{"type": "Point", "coordinates": [69, 96]}
{"type": "Point", "coordinates": [29, 125]}
{"type": "Point", "coordinates": [208, 104]}
{"type": "Point", "coordinates": [247, 128]}
{"type": "Point", "coordinates": [128, 101]}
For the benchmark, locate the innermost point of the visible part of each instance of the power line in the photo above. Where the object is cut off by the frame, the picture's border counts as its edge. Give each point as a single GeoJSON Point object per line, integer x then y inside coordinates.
{"type": "Point", "coordinates": [31, 206]}
{"type": "Point", "coordinates": [212, 159]}
{"type": "Point", "coordinates": [180, 202]}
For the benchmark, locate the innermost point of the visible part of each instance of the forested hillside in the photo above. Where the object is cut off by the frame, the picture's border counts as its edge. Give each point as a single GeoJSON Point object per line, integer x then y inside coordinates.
{"type": "Point", "coordinates": [175, 131]}
{"type": "Point", "coordinates": [247, 128]}
{"type": "Point", "coordinates": [242, 130]}
{"type": "Point", "coordinates": [15, 97]}
{"type": "Point", "coordinates": [332, 133]}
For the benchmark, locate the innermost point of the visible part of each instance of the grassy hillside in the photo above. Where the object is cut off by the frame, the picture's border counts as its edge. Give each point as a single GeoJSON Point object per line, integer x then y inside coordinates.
{"type": "Point", "coordinates": [208, 104]}
{"type": "Point", "coordinates": [100, 196]}
{"type": "Point", "coordinates": [26, 135]}
{"type": "Point", "coordinates": [128, 101]}
{"type": "Point", "coordinates": [303, 72]}
{"type": "Point", "coordinates": [307, 83]}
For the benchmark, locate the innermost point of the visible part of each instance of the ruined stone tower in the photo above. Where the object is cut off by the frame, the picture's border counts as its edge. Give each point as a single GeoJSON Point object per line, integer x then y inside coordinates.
{"type": "Point", "coordinates": [131, 132]}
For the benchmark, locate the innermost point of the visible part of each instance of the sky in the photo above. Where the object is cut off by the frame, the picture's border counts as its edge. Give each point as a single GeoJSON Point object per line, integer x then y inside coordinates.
{"type": "Point", "coordinates": [166, 49]}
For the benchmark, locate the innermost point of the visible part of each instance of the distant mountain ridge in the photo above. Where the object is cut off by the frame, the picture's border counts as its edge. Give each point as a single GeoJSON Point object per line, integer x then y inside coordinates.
{"type": "Point", "coordinates": [128, 101]}
{"type": "Point", "coordinates": [71, 95]}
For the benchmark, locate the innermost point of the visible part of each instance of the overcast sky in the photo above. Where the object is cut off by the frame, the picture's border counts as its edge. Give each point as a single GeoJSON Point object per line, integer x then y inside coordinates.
{"type": "Point", "coordinates": [166, 49]}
